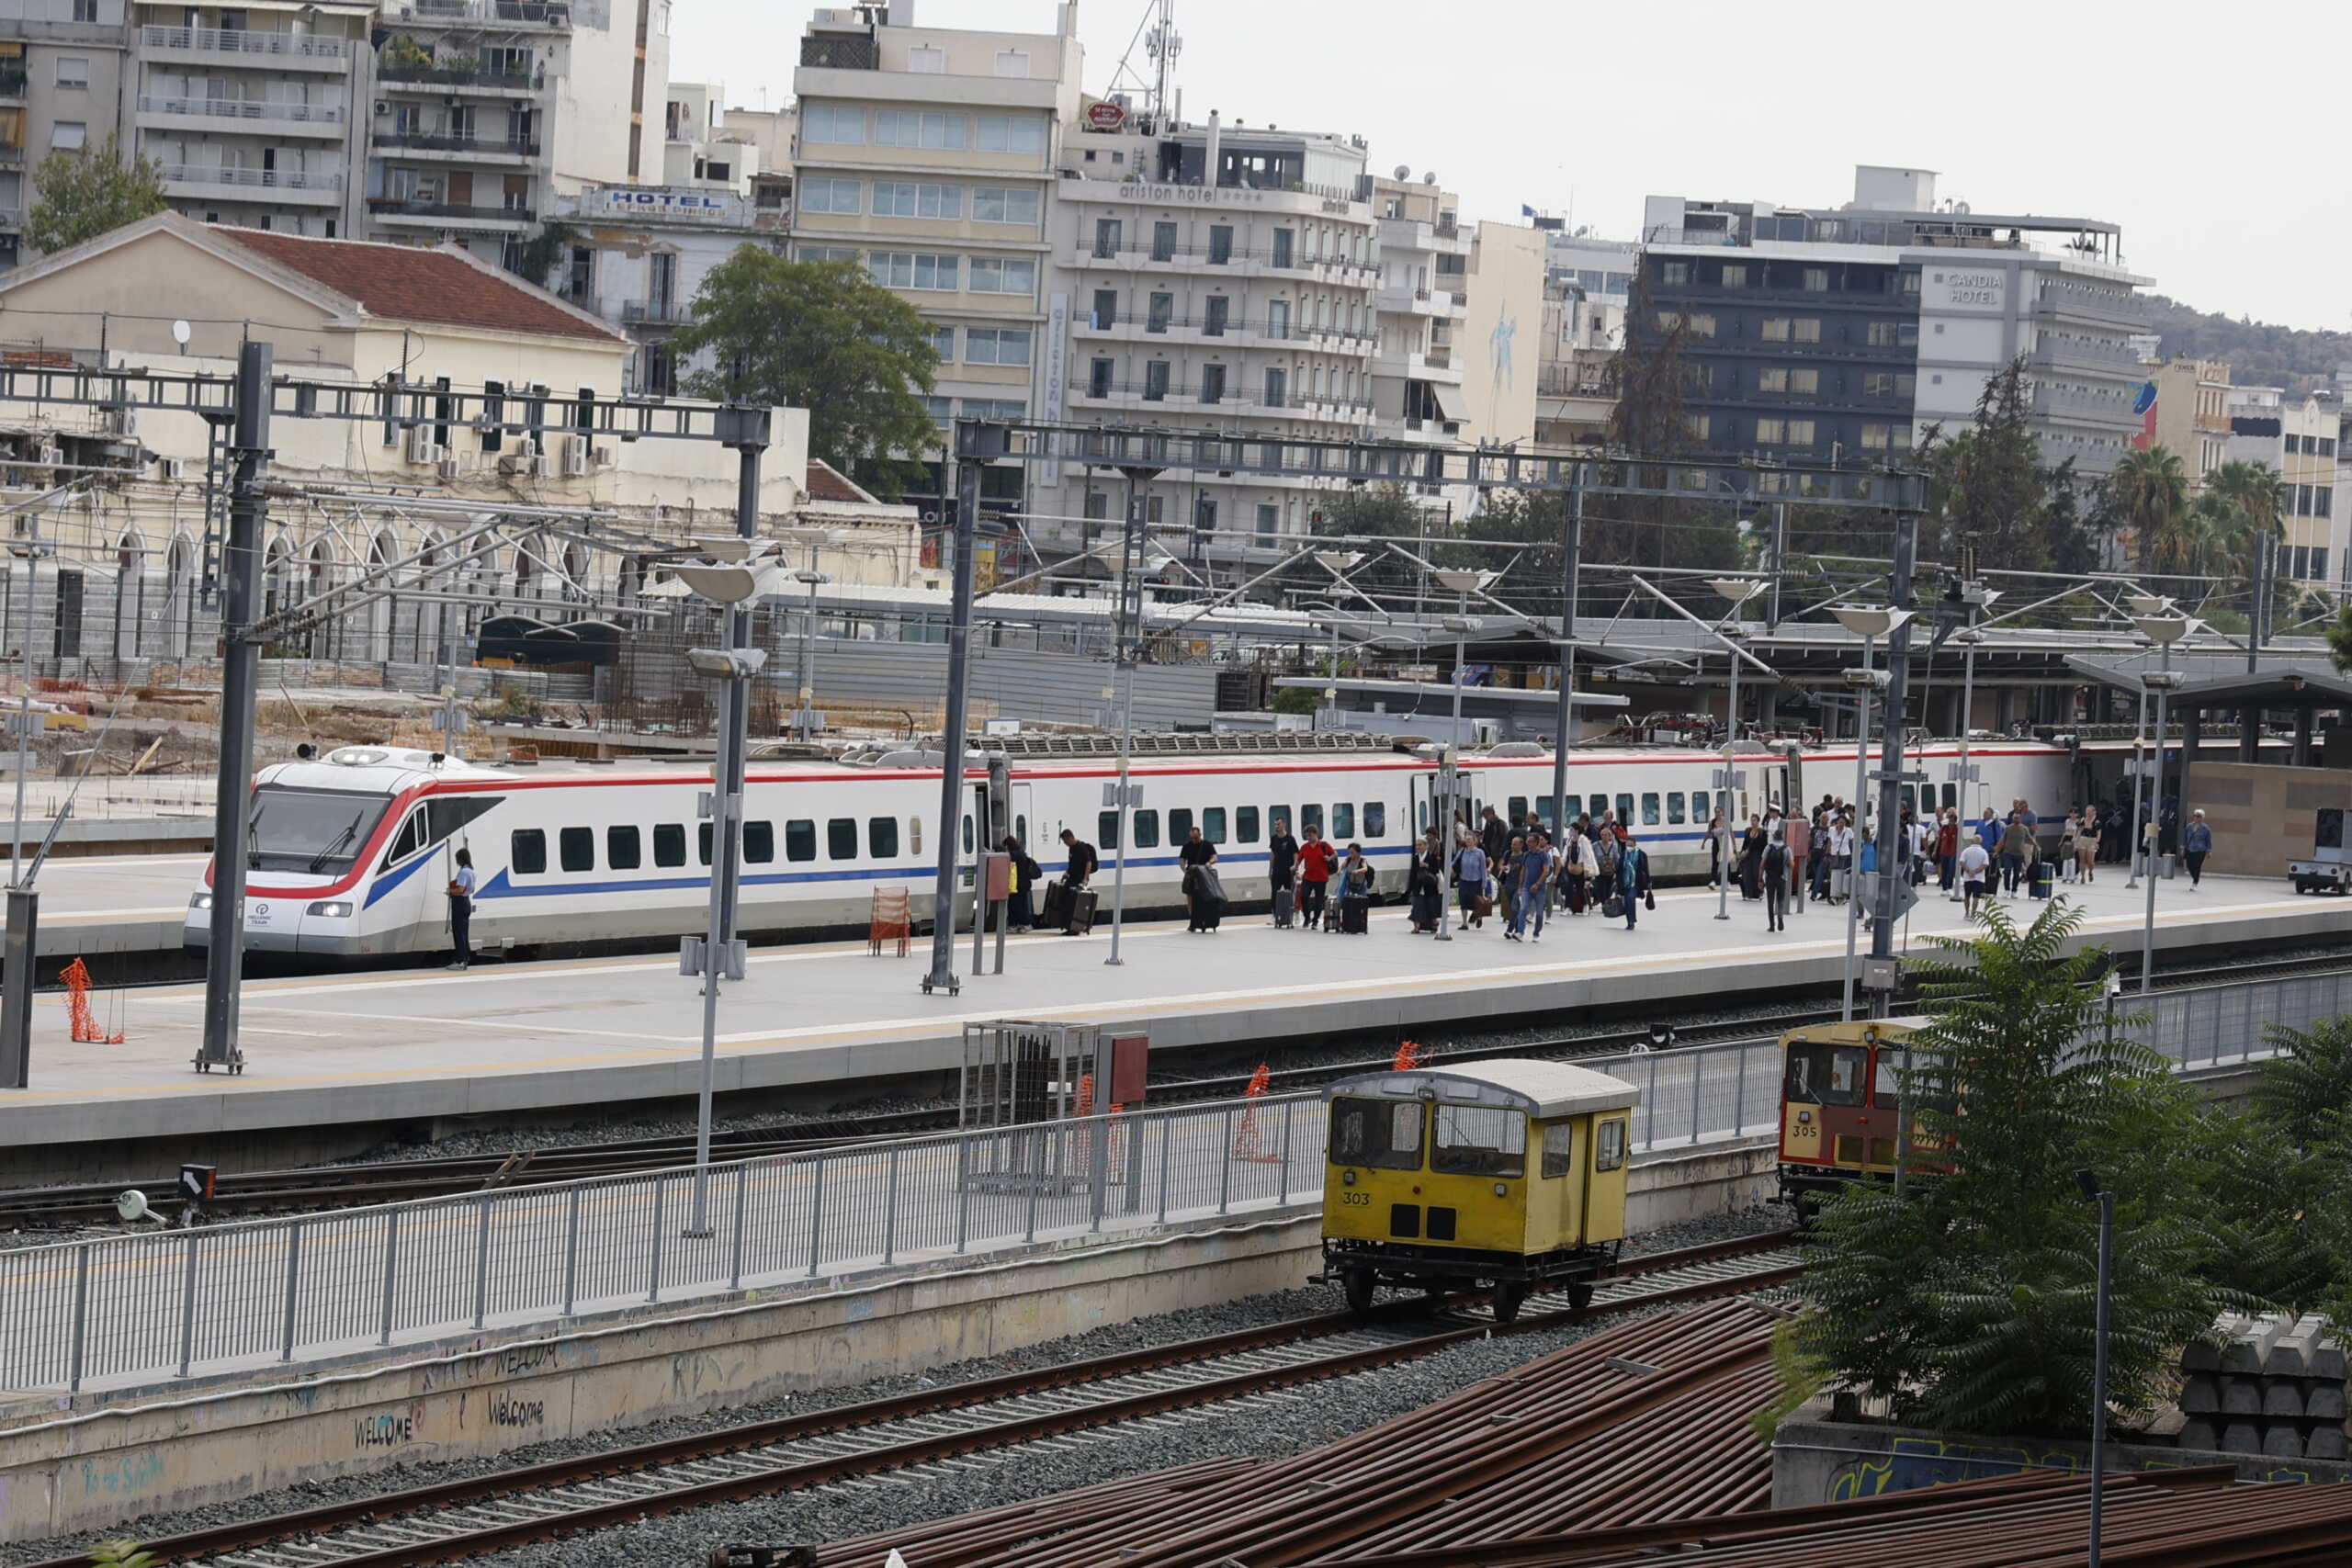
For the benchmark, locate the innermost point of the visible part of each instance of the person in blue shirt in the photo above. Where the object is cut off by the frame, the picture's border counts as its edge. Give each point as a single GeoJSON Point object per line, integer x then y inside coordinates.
{"type": "Point", "coordinates": [461, 909]}
{"type": "Point", "coordinates": [2196, 843]}
{"type": "Point", "coordinates": [1633, 880]}
{"type": "Point", "coordinates": [1470, 878]}
{"type": "Point", "coordinates": [1534, 891]}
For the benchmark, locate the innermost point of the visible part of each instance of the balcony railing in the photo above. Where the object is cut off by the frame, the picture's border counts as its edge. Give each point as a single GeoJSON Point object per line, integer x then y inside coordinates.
{"type": "Point", "coordinates": [12, 81]}
{"type": "Point", "coordinates": [224, 174]}
{"type": "Point", "coordinates": [246, 41]}
{"type": "Point", "coordinates": [244, 108]}
{"type": "Point", "coordinates": [524, 13]}
{"type": "Point", "coordinates": [468, 74]}
{"type": "Point", "coordinates": [488, 147]}
{"type": "Point", "coordinates": [1229, 326]}
{"type": "Point", "coordinates": [1190, 395]}
{"type": "Point", "coordinates": [1130, 256]}
{"type": "Point", "coordinates": [12, 157]}
{"type": "Point", "coordinates": [651, 310]}
{"type": "Point", "coordinates": [403, 207]}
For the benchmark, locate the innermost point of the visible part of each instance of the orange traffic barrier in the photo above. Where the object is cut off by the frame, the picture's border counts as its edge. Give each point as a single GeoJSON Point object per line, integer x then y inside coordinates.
{"type": "Point", "coordinates": [1248, 1142]}
{"type": "Point", "coordinates": [892, 921]}
{"type": "Point", "coordinates": [77, 1002]}
{"type": "Point", "coordinates": [1409, 1057]}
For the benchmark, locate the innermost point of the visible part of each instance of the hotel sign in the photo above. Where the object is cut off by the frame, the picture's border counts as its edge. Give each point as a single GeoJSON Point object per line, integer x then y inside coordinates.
{"type": "Point", "coordinates": [1965, 289]}
{"type": "Point", "coordinates": [676, 205]}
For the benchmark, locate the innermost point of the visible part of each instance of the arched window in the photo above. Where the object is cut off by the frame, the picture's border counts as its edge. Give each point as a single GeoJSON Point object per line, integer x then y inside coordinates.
{"type": "Point", "coordinates": [277, 571]}
{"type": "Point", "coordinates": [178, 615]}
{"type": "Point", "coordinates": [326, 638]}
{"type": "Point", "coordinates": [130, 596]}
{"type": "Point", "coordinates": [382, 551]}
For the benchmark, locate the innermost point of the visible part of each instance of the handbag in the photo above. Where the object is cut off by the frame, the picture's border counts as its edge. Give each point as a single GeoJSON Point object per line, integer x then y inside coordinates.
{"type": "Point", "coordinates": [1649, 902]}
{"type": "Point", "coordinates": [1614, 907]}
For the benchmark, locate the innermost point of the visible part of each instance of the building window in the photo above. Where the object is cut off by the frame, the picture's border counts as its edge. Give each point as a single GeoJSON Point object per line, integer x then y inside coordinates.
{"type": "Point", "coordinates": [68, 136]}
{"type": "Point", "coordinates": [996, 345]}
{"type": "Point", "coordinates": [1878, 384]}
{"type": "Point", "coordinates": [994, 276]}
{"type": "Point", "coordinates": [1278, 320]}
{"type": "Point", "coordinates": [835, 196]}
{"type": "Point", "coordinates": [1816, 279]}
{"type": "Point", "coordinates": [998, 409]}
{"type": "Point", "coordinates": [823, 123]}
{"type": "Point", "coordinates": [1163, 241]}
{"type": "Point", "coordinates": [1155, 381]}
{"type": "Point", "coordinates": [1013, 63]}
{"type": "Point", "coordinates": [73, 71]}
{"type": "Point", "coordinates": [1698, 424]}
{"type": "Point", "coordinates": [1771, 432]}
{"type": "Point", "coordinates": [1735, 274]}
{"type": "Point", "coordinates": [1098, 378]}
{"type": "Point", "coordinates": [1218, 309]}
{"type": "Point", "coordinates": [1799, 433]}
{"type": "Point", "coordinates": [1220, 243]}
{"type": "Point", "coordinates": [1674, 273]}
{"type": "Point", "coordinates": [1106, 238]}
{"type": "Point", "coordinates": [1277, 386]}
{"type": "Point", "coordinates": [1270, 521]}
{"type": "Point", "coordinates": [1098, 505]}
{"type": "Point", "coordinates": [1159, 313]}
{"type": "Point", "coordinates": [940, 409]}
{"type": "Point", "coordinates": [943, 343]}
{"type": "Point", "coordinates": [1010, 133]}
{"type": "Point", "coordinates": [924, 60]}
{"type": "Point", "coordinates": [1284, 239]}
{"type": "Point", "coordinates": [826, 253]}
{"type": "Point", "coordinates": [1004, 204]}
{"type": "Point", "coordinates": [1772, 380]}
{"type": "Point", "coordinates": [1875, 438]}
{"type": "Point", "coordinates": [1805, 383]}
{"type": "Point", "coordinates": [1106, 308]}
{"type": "Point", "coordinates": [914, 269]}
{"type": "Point", "coordinates": [909, 128]}
{"type": "Point", "coordinates": [1212, 383]}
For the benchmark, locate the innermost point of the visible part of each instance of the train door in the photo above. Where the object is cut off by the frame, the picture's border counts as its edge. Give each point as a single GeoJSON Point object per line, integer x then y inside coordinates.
{"type": "Point", "coordinates": [408, 901]}
{"type": "Point", "coordinates": [1025, 825]}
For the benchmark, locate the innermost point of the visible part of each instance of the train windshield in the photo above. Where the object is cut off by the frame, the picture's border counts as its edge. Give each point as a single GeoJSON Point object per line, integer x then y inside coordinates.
{"type": "Point", "coordinates": [1479, 1140]}
{"type": "Point", "coordinates": [317, 831]}
{"type": "Point", "coordinates": [1822, 1074]}
{"type": "Point", "coordinates": [1383, 1133]}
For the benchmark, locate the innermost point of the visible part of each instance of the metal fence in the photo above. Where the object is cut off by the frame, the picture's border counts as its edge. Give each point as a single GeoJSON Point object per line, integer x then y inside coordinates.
{"type": "Point", "coordinates": [187, 1303]}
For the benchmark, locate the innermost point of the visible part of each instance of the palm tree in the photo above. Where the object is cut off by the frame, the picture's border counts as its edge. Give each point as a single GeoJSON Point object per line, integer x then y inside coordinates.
{"type": "Point", "coordinates": [2246, 499]}
{"type": "Point", "coordinates": [2148, 493]}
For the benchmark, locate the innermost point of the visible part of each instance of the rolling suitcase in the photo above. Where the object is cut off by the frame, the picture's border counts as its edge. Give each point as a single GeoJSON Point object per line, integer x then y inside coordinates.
{"type": "Point", "coordinates": [1057, 905]}
{"type": "Point", "coordinates": [1355, 916]}
{"type": "Point", "coordinates": [1082, 911]}
{"type": "Point", "coordinates": [1284, 905]}
{"type": "Point", "coordinates": [2045, 878]}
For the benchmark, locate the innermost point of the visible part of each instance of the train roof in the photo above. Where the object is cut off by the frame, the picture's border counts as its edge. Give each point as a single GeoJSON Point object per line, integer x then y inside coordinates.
{"type": "Point", "coordinates": [1543, 1090]}
{"type": "Point", "coordinates": [1855, 1031]}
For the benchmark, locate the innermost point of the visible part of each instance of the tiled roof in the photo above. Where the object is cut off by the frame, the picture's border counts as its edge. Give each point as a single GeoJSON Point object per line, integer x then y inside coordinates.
{"type": "Point", "coordinates": [404, 283]}
{"type": "Point", "coordinates": [826, 483]}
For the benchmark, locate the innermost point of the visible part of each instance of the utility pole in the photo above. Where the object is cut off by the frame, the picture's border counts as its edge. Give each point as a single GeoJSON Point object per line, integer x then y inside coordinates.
{"type": "Point", "coordinates": [941, 975]}
{"type": "Point", "coordinates": [1890, 764]}
{"type": "Point", "coordinates": [1564, 716]}
{"type": "Point", "coordinates": [239, 688]}
{"type": "Point", "coordinates": [1129, 652]}
{"type": "Point", "coordinates": [24, 902]}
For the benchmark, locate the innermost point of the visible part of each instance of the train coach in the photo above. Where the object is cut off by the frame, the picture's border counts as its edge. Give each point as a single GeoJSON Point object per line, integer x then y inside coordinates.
{"type": "Point", "coordinates": [1841, 1116]}
{"type": "Point", "coordinates": [348, 855]}
{"type": "Point", "coordinates": [1509, 1175]}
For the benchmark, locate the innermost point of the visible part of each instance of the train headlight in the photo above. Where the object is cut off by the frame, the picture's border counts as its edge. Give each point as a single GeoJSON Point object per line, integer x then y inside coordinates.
{"type": "Point", "coordinates": [1804, 1118]}
{"type": "Point", "coordinates": [1501, 1190]}
{"type": "Point", "coordinates": [332, 909]}
{"type": "Point", "coordinates": [1347, 1179]}
{"type": "Point", "coordinates": [200, 901]}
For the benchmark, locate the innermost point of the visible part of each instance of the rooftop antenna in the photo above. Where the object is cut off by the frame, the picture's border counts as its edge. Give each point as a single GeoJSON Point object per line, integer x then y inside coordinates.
{"type": "Point", "coordinates": [1161, 44]}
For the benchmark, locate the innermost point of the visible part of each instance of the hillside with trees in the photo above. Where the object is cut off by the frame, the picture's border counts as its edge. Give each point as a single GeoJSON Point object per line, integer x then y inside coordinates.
{"type": "Point", "coordinates": [2259, 354]}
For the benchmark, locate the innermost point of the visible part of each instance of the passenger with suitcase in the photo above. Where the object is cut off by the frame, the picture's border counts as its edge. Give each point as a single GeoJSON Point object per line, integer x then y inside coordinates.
{"type": "Point", "coordinates": [1315, 867]}
{"type": "Point", "coordinates": [1470, 881]}
{"type": "Point", "coordinates": [1281, 870]}
{"type": "Point", "coordinates": [1355, 893]}
{"type": "Point", "coordinates": [1633, 879]}
{"type": "Point", "coordinates": [1071, 903]}
{"type": "Point", "coordinates": [1203, 893]}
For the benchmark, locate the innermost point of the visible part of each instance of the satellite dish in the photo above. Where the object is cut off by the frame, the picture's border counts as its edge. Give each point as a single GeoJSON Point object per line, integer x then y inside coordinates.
{"type": "Point", "coordinates": [131, 1204]}
{"type": "Point", "coordinates": [181, 332]}
{"type": "Point", "coordinates": [1961, 207]}
{"type": "Point", "coordinates": [1403, 171]}
{"type": "Point", "coordinates": [1429, 178]}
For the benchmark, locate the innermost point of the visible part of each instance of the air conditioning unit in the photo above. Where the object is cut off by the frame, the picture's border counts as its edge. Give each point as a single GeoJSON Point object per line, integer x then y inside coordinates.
{"type": "Point", "coordinates": [449, 468]}
{"type": "Point", "coordinates": [117, 422]}
{"type": "Point", "coordinates": [512, 463]}
{"type": "Point", "coordinates": [421, 447]}
{"type": "Point", "coordinates": [49, 453]}
{"type": "Point", "coordinates": [167, 468]}
{"type": "Point", "coordinates": [541, 468]}
{"type": "Point", "coordinates": [603, 456]}
{"type": "Point", "coordinates": [383, 107]}
{"type": "Point", "coordinates": [573, 452]}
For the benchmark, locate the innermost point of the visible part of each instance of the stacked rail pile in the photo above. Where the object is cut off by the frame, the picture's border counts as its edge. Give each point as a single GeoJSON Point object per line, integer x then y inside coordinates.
{"type": "Point", "coordinates": [2181, 1519]}
{"type": "Point", "coordinates": [1644, 1422]}
{"type": "Point", "coordinates": [2274, 1386]}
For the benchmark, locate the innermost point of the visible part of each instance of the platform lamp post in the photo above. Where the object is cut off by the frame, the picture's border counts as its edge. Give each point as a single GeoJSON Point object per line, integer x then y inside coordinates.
{"type": "Point", "coordinates": [1868, 622]}
{"type": "Point", "coordinates": [1462, 581]}
{"type": "Point", "coordinates": [1976, 597]}
{"type": "Point", "coordinates": [734, 580]}
{"type": "Point", "coordinates": [1739, 589]}
{"type": "Point", "coordinates": [2164, 630]}
{"type": "Point", "coordinates": [1129, 634]}
{"type": "Point", "coordinates": [24, 903]}
{"type": "Point", "coordinates": [2144, 606]}
{"type": "Point", "coordinates": [2088, 1180]}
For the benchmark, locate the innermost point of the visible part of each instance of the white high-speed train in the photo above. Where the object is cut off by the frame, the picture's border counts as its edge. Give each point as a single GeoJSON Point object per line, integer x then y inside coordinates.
{"type": "Point", "coordinates": [348, 856]}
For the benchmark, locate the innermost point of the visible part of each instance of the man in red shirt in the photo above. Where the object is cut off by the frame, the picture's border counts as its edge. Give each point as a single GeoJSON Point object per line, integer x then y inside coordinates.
{"type": "Point", "coordinates": [1314, 875]}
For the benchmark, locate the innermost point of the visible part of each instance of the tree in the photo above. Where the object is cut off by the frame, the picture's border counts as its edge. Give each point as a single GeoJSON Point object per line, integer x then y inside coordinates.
{"type": "Point", "coordinates": [537, 257]}
{"type": "Point", "coordinates": [2242, 504]}
{"type": "Point", "coordinates": [79, 194]}
{"type": "Point", "coordinates": [1649, 378]}
{"type": "Point", "coordinates": [2339, 640]}
{"type": "Point", "coordinates": [819, 335]}
{"type": "Point", "coordinates": [2148, 491]}
{"type": "Point", "coordinates": [1968, 1306]}
{"type": "Point", "coordinates": [1989, 486]}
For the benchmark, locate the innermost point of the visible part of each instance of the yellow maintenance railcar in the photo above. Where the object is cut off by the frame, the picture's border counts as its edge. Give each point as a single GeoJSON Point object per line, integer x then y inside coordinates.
{"type": "Point", "coordinates": [1509, 1174]}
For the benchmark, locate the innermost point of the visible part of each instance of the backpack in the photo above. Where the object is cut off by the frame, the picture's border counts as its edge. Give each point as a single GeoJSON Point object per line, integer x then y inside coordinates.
{"type": "Point", "coordinates": [1604, 851]}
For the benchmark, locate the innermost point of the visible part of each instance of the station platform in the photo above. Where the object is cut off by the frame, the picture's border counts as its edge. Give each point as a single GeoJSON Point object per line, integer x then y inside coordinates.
{"type": "Point", "coordinates": [346, 1057]}
{"type": "Point", "coordinates": [112, 905]}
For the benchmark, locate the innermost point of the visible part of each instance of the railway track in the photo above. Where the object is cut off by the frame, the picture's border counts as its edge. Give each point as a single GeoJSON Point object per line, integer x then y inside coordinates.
{"type": "Point", "coordinates": [931, 1430]}
{"type": "Point", "coordinates": [389, 1181]}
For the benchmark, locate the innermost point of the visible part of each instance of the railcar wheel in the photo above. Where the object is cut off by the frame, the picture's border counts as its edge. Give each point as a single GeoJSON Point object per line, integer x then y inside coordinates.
{"type": "Point", "coordinates": [1357, 1284]}
{"type": "Point", "coordinates": [1510, 1294]}
{"type": "Point", "coordinates": [1580, 1297]}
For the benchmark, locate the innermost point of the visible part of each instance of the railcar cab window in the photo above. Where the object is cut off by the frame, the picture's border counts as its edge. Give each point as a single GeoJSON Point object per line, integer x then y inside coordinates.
{"type": "Point", "coordinates": [1479, 1140]}
{"type": "Point", "coordinates": [409, 838]}
{"type": "Point", "coordinates": [1822, 1074]}
{"type": "Point", "coordinates": [1383, 1133]}
{"type": "Point", "coordinates": [669, 843]}
{"type": "Point", "coordinates": [1559, 1148]}
{"type": "Point", "coordinates": [444, 815]}
{"type": "Point", "coordinates": [1608, 1144]}
{"type": "Point", "coordinates": [317, 831]}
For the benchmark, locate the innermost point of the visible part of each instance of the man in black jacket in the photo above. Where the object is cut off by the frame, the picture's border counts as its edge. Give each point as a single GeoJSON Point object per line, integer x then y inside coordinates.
{"type": "Point", "coordinates": [1079, 870]}
{"type": "Point", "coordinates": [1282, 862]}
{"type": "Point", "coordinates": [1493, 837]}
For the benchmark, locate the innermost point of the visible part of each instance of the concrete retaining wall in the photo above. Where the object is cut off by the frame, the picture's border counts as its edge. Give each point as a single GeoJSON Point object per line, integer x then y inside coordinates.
{"type": "Point", "coordinates": [1816, 1460]}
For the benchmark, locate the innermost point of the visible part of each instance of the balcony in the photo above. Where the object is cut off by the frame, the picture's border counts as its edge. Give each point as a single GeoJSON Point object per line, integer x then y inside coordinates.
{"type": "Point", "coordinates": [12, 157]}
{"type": "Point", "coordinates": [1184, 400]}
{"type": "Point", "coordinates": [1571, 381]}
{"type": "Point", "coordinates": [1246, 331]}
{"type": "Point", "coordinates": [552, 13]}
{"type": "Point", "coordinates": [289, 51]}
{"type": "Point", "coordinates": [1244, 260]}
{"type": "Point", "coordinates": [2080, 406]}
{"type": "Point", "coordinates": [1401, 299]}
{"type": "Point", "coordinates": [2096, 353]}
{"type": "Point", "coordinates": [281, 185]}
{"type": "Point", "coordinates": [468, 77]}
{"type": "Point", "coordinates": [2062, 301]}
{"type": "Point", "coordinates": [647, 312]}
{"type": "Point", "coordinates": [395, 210]}
{"type": "Point", "coordinates": [251, 114]}
{"type": "Point", "coordinates": [12, 81]}
{"type": "Point", "coordinates": [468, 146]}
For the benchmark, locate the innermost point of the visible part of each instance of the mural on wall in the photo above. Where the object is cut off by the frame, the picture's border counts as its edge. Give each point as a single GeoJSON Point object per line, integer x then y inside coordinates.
{"type": "Point", "coordinates": [1913, 1462]}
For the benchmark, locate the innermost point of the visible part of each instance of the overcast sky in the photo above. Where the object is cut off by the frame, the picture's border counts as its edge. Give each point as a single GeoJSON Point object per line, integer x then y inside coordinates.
{"type": "Point", "coordinates": [2209, 135]}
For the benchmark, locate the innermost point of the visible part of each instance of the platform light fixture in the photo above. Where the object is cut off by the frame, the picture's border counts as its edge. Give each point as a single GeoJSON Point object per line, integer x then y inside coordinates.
{"type": "Point", "coordinates": [1740, 591]}
{"type": "Point", "coordinates": [2162, 630]}
{"type": "Point", "coordinates": [1868, 622]}
{"type": "Point", "coordinates": [1462, 581]}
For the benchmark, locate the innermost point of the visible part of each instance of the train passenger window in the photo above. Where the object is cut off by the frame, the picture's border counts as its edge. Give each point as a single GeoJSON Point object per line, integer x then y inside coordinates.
{"type": "Point", "coordinates": [759, 842]}
{"type": "Point", "coordinates": [577, 848]}
{"type": "Point", "coordinates": [914, 836]}
{"type": "Point", "coordinates": [1518, 809]}
{"type": "Point", "coordinates": [968, 833]}
{"type": "Point", "coordinates": [1280, 820]}
{"type": "Point", "coordinates": [1179, 825]}
{"type": "Point", "coordinates": [1625, 810]}
{"type": "Point", "coordinates": [1343, 822]}
{"type": "Point", "coordinates": [800, 838]}
{"type": "Point", "coordinates": [841, 838]}
{"type": "Point", "coordinates": [1650, 811]}
{"type": "Point", "coordinates": [702, 841]}
{"type": "Point", "coordinates": [882, 837]}
{"type": "Point", "coordinates": [528, 851]}
{"type": "Point", "coordinates": [1951, 794]}
{"type": "Point", "coordinates": [669, 843]}
{"type": "Point", "coordinates": [1479, 1140]}
{"type": "Point", "coordinates": [1376, 819]}
{"type": "Point", "coordinates": [1722, 804]}
{"type": "Point", "coordinates": [1674, 807]}
{"type": "Point", "coordinates": [1020, 829]}
{"type": "Point", "coordinates": [1147, 829]}
{"type": "Point", "coordinates": [1309, 816]}
{"type": "Point", "coordinates": [1559, 1148]}
{"type": "Point", "coordinates": [1383, 1133]}
{"type": "Point", "coordinates": [1599, 806]}
{"type": "Point", "coordinates": [624, 851]}
{"type": "Point", "coordinates": [410, 840]}
{"type": "Point", "coordinates": [1106, 831]}
{"type": "Point", "coordinates": [1544, 810]}
{"type": "Point", "coordinates": [1608, 1144]}
{"type": "Point", "coordinates": [1213, 824]}
{"type": "Point", "coordinates": [1822, 1074]}
{"type": "Point", "coordinates": [1910, 799]}
{"type": "Point", "coordinates": [1245, 823]}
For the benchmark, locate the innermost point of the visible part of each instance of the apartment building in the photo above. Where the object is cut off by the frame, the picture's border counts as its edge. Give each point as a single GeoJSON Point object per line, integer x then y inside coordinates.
{"type": "Point", "coordinates": [63, 69]}
{"type": "Point", "coordinates": [640, 255]}
{"type": "Point", "coordinates": [1422, 300]}
{"type": "Point", "coordinates": [1587, 284]}
{"type": "Point", "coordinates": [2192, 414]}
{"type": "Point", "coordinates": [252, 110]}
{"type": "Point", "coordinates": [1849, 332]}
{"type": "Point", "coordinates": [485, 111]}
{"type": "Point", "coordinates": [928, 154]}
